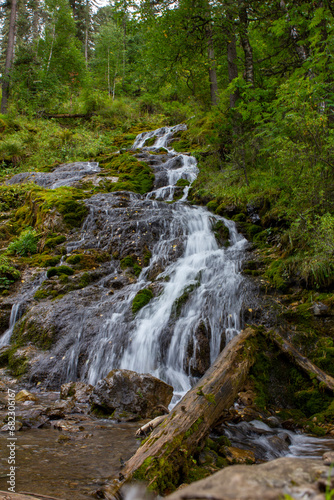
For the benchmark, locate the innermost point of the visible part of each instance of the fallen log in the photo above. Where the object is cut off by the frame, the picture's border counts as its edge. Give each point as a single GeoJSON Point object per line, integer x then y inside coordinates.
{"type": "Point", "coordinates": [164, 458]}
{"type": "Point", "coordinates": [67, 115]}
{"type": "Point", "coordinates": [301, 361]}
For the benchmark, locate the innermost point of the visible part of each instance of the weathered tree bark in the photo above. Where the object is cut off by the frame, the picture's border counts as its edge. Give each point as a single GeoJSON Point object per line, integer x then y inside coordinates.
{"type": "Point", "coordinates": [232, 67]}
{"type": "Point", "coordinates": [172, 443]}
{"type": "Point", "coordinates": [247, 48]}
{"type": "Point", "coordinates": [304, 363]}
{"type": "Point", "coordinates": [212, 68]}
{"type": "Point", "coordinates": [9, 57]}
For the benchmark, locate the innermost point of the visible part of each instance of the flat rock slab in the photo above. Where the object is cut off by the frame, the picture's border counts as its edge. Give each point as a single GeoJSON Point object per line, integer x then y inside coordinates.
{"type": "Point", "coordinates": [270, 481]}
{"type": "Point", "coordinates": [64, 175]}
{"type": "Point", "coordinates": [7, 495]}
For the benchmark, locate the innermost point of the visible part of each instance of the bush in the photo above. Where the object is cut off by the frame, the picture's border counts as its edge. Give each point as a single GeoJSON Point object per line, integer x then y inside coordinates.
{"type": "Point", "coordinates": [26, 244]}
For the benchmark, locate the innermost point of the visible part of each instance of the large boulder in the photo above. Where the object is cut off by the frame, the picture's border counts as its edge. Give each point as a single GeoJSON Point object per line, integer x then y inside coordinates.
{"type": "Point", "coordinates": [297, 477]}
{"type": "Point", "coordinates": [127, 395]}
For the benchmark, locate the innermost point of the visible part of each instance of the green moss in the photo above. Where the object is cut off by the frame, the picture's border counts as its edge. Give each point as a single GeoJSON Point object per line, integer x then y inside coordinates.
{"type": "Point", "coordinates": [45, 260]}
{"type": "Point", "coordinates": [74, 259]}
{"type": "Point", "coordinates": [12, 196]}
{"type": "Point", "coordinates": [54, 241]}
{"type": "Point", "coordinates": [182, 183]}
{"type": "Point", "coordinates": [212, 205]}
{"type": "Point", "coordinates": [126, 262]}
{"type": "Point", "coordinates": [132, 174]}
{"type": "Point", "coordinates": [42, 294]}
{"type": "Point", "coordinates": [142, 298]}
{"type": "Point", "coordinates": [180, 301]}
{"type": "Point", "coordinates": [17, 365]}
{"type": "Point", "coordinates": [57, 271]}
{"type": "Point", "coordinates": [147, 258]}
{"type": "Point", "coordinates": [27, 331]}
{"type": "Point", "coordinates": [150, 141]}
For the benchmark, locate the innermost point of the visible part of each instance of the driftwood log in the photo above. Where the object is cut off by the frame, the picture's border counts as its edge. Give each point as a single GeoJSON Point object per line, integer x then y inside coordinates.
{"type": "Point", "coordinates": [169, 449]}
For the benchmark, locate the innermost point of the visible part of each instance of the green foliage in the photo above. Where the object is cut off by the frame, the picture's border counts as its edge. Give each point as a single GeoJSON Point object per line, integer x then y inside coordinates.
{"type": "Point", "coordinates": [26, 244]}
{"type": "Point", "coordinates": [8, 273]}
{"type": "Point", "coordinates": [142, 298]}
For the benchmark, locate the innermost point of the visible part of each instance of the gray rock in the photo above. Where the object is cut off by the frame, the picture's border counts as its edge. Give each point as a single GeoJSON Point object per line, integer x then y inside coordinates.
{"type": "Point", "coordinates": [64, 175]}
{"type": "Point", "coordinates": [270, 481]}
{"type": "Point", "coordinates": [128, 395]}
{"type": "Point", "coordinates": [328, 458]}
{"type": "Point", "coordinates": [319, 309]}
{"type": "Point", "coordinates": [77, 391]}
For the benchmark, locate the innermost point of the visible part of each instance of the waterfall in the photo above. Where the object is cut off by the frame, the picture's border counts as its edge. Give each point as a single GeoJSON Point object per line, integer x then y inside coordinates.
{"type": "Point", "coordinates": [162, 339]}
{"type": "Point", "coordinates": [198, 289]}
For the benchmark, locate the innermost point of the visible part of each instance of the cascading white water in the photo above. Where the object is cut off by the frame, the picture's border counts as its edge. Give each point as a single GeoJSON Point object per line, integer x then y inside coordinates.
{"type": "Point", "coordinates": [16, 311]}
{"type": "Point", "coordinates": [206, 275]}
{"type": "Point", "coordinates": [14, 316]}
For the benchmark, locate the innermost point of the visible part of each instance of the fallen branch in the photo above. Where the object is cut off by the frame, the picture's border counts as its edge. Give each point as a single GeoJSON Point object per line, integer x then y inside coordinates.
{"type": "Point", "coordinates": [304, 363]}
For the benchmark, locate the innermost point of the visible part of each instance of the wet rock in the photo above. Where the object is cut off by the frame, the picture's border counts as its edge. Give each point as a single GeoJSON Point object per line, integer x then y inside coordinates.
{"type": "Point", "coordinates": [65, 175]}
{"type": "Point", "coordinates": [34, 418]}
{"type": "Point", "coordinates": [328, 458]}
{"type": "Point", "coordinates": [8, 427]}
{"type": "Point", "coordinates": [59, 409]}
{"type": "Point", "coordinates": [239, 456]}
{"type": "Point", "coordinates": [198, 352]}
{"type": "Point", "coordinates": [127, 395]}
{"type": "Point", "coordinates": [77, 391]}
{"type": "Point", "coordinates": [271, 481]}
{"type": "Point", "coordinates": [279, 444]}
{"type": "Point", "coordinates": [246, 398]}
{"type": "Point", "coordinates": [25, 395]}
{"type": "Point", "coordinates": [5, 310]}
{"type": "Point", "coordinates": [65, 425]}
{"type": "Point", "coordinates": [319, 309]}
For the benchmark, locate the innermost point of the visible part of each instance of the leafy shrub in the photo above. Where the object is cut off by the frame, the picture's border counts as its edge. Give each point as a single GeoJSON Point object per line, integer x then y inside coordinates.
{"type": "Point", "coordinates": [26, 244]}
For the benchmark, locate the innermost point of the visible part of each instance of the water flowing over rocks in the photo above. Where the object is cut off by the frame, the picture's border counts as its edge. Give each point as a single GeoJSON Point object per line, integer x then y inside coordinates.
{"type": "Point", "coordinates": [131, 396]}
{"type": "Point", "coordinates": [69, 174]}
{"type": "Point", "coordinates": [172, 250]}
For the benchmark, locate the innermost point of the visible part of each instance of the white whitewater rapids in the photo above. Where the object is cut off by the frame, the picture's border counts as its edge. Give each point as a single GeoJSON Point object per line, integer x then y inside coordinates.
{"type": "Point", "coordinates": [212, 274]}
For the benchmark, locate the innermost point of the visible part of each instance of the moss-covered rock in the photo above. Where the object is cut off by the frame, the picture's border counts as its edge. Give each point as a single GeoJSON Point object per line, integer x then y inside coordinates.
{"type": "Point", "coordinates": [142, 298]}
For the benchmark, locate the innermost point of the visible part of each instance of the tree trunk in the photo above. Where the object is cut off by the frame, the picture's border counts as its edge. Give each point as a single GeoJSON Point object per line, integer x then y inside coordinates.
{"type": "Point", "coordinates": [248, 51]}
{"type": "Point", "coordinates": [304, 363]}
{"type": "Point", "coordinates": [232, 60]}
{"type": "Point", "coordinates": [168, 451]}
{"type": "Point", "coordinates": [9, 57]}
{"type": "Point", "coordinates": [212, 68]}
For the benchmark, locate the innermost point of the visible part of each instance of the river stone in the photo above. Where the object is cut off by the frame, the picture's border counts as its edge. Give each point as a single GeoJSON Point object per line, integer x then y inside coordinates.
{"type": "Point", "coordinates": [25, 395]}
{"type": "Point", "coordinates": [77, 391]}
{"type": "Point", "coordinates": [239, 456]}
{"type": "Point", "coordinates": [269, 481]}
{"type": "Point", "coordinates": [328, 458]}
{"type": "Point", "coordinates": [128, 395]}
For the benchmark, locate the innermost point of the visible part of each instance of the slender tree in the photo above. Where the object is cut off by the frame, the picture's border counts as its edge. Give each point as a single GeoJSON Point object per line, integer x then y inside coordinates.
{"type": "Point", "coordinates": [9, 57]}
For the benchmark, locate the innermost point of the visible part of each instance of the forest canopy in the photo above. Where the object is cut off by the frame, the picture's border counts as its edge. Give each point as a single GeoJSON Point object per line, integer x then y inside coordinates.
{"type": "Point", "coordinates": [253, 80]}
